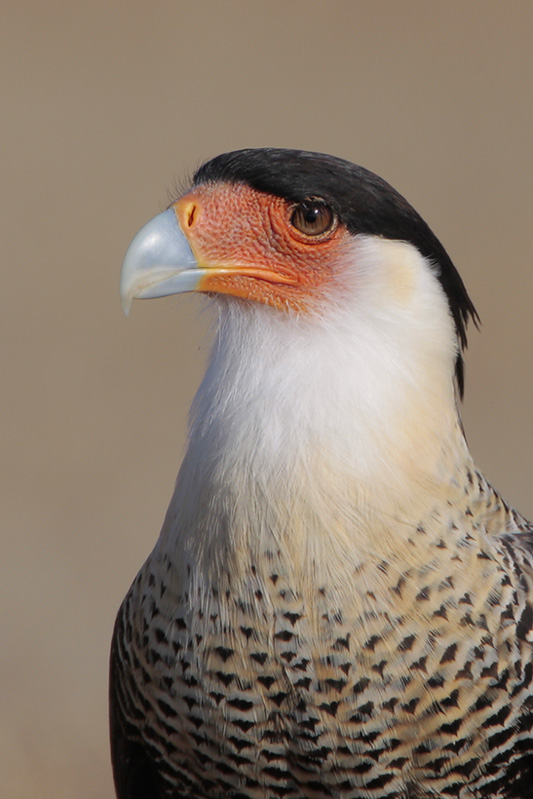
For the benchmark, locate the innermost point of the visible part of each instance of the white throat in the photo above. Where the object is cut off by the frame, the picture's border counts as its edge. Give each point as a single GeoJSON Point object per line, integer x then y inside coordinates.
{"type": "Point", "coordinates": [327, 428]}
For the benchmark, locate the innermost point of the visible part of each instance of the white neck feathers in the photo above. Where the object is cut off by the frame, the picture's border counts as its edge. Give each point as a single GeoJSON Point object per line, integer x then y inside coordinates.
{"type": "Point", "coordinates": [325, 429]}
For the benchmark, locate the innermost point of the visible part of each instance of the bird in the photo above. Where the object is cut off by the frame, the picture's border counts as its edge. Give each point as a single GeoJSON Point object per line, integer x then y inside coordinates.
{"type": "Point", "coordinates": [339, 604]}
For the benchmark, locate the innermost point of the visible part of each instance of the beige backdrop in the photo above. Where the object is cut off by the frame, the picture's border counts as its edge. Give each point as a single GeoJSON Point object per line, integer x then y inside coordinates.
{"type": "Point", "coordinates": [105, 107]}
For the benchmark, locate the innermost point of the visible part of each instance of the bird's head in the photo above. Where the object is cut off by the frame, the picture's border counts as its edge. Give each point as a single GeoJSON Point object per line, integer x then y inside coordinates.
{"type": "Point", "coordinates": [330, 390]}
{"type": "Point", "coordinates": [300, 232]}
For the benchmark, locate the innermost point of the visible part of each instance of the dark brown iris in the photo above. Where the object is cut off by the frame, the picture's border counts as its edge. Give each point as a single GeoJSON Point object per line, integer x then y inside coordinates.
{"type": "Point", "coordinates": [312, 217]}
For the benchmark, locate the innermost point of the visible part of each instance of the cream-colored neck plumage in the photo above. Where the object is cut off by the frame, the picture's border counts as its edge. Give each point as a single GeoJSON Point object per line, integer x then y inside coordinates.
{"type": "Point", "coordinates": [330, 434]}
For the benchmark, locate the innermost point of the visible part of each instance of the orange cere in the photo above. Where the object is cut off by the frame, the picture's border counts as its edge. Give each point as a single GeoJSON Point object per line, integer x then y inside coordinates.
{"type": "Point", "coordinates": [246, 238]}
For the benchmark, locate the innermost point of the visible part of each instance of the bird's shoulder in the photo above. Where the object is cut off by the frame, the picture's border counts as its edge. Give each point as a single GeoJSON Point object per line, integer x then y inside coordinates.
{"type": "Point", "coordinates": [135, 767]}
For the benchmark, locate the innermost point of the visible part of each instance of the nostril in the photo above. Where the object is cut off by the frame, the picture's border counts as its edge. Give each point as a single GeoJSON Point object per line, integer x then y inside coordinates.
{"type": "Point", "coordinates": [190, 213]}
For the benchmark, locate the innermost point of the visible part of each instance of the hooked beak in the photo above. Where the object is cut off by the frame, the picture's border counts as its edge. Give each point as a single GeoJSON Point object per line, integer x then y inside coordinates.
{"type": "Point", "coordinates": [159, 262]}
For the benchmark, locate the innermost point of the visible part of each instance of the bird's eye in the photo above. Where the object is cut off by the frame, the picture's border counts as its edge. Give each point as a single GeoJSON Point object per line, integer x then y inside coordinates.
{"type": "Point", "coordinates": [313, 217]}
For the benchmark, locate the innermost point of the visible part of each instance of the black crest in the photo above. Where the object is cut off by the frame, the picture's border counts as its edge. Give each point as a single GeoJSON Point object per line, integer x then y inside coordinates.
{"type": "Point", "coordinates": [363, 201]}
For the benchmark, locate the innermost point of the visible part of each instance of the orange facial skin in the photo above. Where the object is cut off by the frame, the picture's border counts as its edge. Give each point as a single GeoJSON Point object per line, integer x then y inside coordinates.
{"type": "Point", "coordinates": [247, 239]}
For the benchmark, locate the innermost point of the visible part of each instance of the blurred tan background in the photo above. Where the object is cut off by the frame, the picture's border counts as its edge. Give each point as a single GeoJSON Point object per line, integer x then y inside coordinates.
{"type": "Point", "coordinates": [105, 107]}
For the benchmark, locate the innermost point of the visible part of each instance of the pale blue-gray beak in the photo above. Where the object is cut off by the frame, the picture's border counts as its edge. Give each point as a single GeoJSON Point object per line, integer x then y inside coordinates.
{"type": "Point", "coordinates": [159, 262]}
